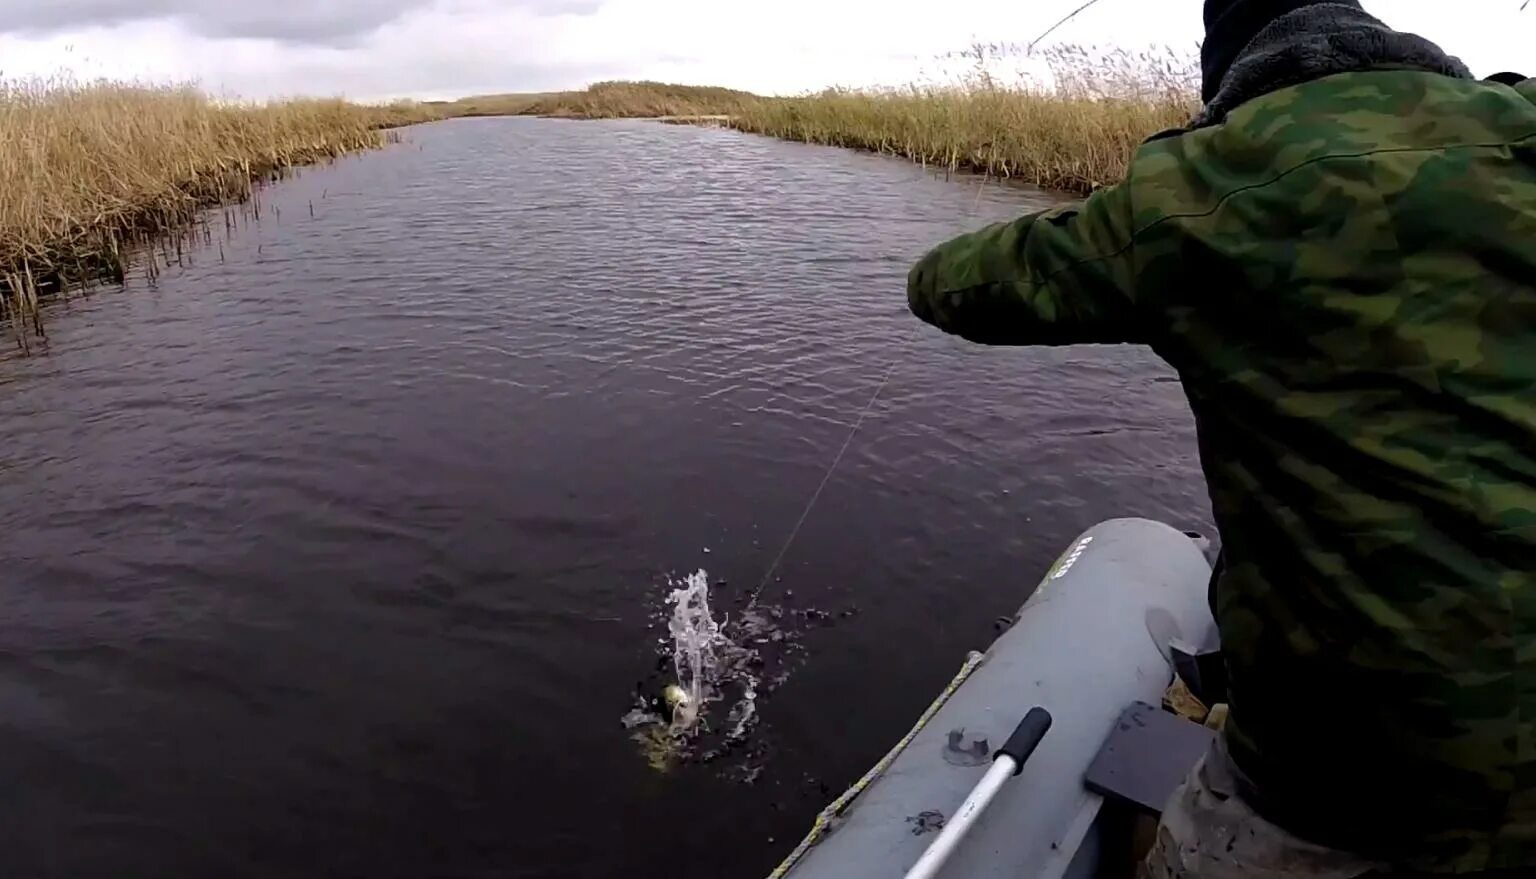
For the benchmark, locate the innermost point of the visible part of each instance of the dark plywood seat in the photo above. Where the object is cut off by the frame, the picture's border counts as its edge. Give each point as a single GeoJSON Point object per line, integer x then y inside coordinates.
{"type": "Point", "coordinates": [1146, 756]}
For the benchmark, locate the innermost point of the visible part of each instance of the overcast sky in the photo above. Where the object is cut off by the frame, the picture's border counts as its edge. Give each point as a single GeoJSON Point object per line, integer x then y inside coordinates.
{"type": "Point", "coordinates": [373, 49]}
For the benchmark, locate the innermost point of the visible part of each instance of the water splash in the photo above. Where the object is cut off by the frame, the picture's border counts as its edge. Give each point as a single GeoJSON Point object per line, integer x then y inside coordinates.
{"type": "Point", "coordinates": [720, 665]}
{"type": "Point", "coordinates": [698, 647]}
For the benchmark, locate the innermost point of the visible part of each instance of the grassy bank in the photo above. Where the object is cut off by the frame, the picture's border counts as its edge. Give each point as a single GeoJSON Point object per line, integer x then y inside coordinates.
{"type": "Point", "coordinates": [1072, 124]}
{"type": "Point", "coordinates": [93, 172]}
{"type": "Point", "coordinates": [1075, 134]}
{"type": "Point", "coordinates": [509, 104]}
{"type": "Point", "coordinates": [608, 100]}
{"type": "Point", "coordinates": [1058, 141]}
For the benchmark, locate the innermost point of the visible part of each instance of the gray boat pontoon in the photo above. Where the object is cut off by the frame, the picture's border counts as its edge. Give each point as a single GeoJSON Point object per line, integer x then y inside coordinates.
{"type": "Point", "coordinates": [1068, 699]}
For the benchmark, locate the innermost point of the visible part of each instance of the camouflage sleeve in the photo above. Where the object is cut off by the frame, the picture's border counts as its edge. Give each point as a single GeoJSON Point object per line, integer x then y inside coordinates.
{"type": "Point", "coordinates": [1059, 277]}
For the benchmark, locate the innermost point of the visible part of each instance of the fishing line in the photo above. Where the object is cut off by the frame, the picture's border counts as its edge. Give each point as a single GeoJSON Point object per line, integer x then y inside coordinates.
{"type": "Point", "coordinates": [826, 478]}
{"type": "Point", "coordinates": [837, 459]}
{"type": "Point", "coordinates": [880, 389]}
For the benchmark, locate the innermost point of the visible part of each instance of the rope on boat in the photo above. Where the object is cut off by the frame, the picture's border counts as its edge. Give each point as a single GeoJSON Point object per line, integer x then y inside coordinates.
{"type": "Point", "coordinates": [826, 819]}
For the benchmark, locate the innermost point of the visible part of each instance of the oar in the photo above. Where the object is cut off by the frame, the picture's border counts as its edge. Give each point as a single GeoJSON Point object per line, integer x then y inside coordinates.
{"type": "Point", "coordinates": [1006, 763]}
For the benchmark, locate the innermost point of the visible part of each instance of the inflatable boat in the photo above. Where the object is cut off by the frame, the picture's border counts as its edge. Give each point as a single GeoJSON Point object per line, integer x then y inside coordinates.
{"type": "Point", "coordinates": [1050, 754]}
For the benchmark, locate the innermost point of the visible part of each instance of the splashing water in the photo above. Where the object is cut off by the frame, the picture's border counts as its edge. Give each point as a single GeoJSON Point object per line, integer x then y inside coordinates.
{"type": "Point", "coordinates": [717, 662]}
{"type": "Point", "coordinates": [696, 642]}
{"type": "Point", "coordinates": [720, 667]}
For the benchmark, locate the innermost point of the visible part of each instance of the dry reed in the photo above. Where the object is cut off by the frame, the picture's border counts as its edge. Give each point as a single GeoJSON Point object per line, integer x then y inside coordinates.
{"type": "Point", "coordinates": [609, 100]}
{"type": "Point", "coordinates": [1075, 134]}
{"type": "Point", "coordinates": [510, 104]}
{"type": "Point", "coordinates": [93, 172]}
{"type": "Point", "coordinates": [1073, 131]}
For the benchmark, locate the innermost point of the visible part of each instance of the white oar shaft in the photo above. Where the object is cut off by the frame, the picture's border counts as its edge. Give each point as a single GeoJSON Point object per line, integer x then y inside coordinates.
{"type": "Point", "coordinates": [1006, 763]}
{"type": "Point", "coordinates": [933, 860]}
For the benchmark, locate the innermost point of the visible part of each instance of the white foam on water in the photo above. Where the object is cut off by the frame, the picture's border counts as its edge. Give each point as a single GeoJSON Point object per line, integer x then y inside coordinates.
{"type": "Point", "coordinates": [718, 662]}
{"type": "Point", "coordinates": [715, 665]}
{"type": "Point", "coordinates": [697, 645]}
{"type": "Point", "coordinates": [725, 664]}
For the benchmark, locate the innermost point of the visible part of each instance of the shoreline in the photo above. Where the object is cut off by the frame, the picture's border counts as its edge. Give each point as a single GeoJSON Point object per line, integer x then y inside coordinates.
{"type": "Point", "coordinates": [1075, 139]}
{"type": "Point", "coordinates": [128, 167]}
{"type": "Point", "coordinates": [125, 168]}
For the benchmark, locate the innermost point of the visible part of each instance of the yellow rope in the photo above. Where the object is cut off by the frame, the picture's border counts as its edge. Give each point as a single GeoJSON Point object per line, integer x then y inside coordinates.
{"type": "Point", "coordinates": [825, 818]}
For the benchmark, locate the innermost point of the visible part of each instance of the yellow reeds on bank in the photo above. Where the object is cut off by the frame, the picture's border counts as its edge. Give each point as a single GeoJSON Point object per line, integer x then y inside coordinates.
{"type": "Point", "coordinates": [1072, 124]}
{"type": "Point", "coordinates": [607, 100]}
{"type": "Point", "coordinates": [90, 172]}
{"type": "Point", "coordinates": [1054, 141]}
{"type": "Point", "coordinates": [1076, 131]}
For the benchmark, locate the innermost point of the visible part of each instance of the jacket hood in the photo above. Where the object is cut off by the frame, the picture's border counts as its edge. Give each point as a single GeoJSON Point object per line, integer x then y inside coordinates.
{"type": "Point", "coordinates": [1230, 25]}
{"type": "Point", "coordinates": [1312, 41]}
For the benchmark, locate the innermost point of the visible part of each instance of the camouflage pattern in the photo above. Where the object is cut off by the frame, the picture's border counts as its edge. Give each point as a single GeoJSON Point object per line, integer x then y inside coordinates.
{"type": "Point", "coordinates": [1209, 831]}
{"type": "Point", "coordinates": [1344, 276]}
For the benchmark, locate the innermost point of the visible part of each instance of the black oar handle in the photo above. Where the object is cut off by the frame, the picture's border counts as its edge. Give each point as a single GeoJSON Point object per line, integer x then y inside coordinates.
{"type": "Point", "coordinates": [1026, 737]}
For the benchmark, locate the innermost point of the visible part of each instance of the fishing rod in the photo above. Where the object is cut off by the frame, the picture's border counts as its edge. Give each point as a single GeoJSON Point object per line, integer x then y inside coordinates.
{"type": "Point", "coordinates": [1074, 13]}
{"type": "Point", "coordinates": [1066, 18]}
{"type": "Point", "coordinates": [890, 370]}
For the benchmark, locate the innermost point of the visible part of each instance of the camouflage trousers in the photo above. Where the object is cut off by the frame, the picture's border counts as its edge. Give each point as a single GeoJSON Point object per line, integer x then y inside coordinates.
{"type": "Point", "coordinates": [1208, 832]}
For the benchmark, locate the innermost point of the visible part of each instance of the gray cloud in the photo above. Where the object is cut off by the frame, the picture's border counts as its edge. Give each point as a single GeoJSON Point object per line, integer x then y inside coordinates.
{"type": "Point", "coordinates": [313, 22]}
{"type": "Point", "coordinates": [297, 21]}
{"type": "Point", "coordinates": [52, 15]}
{"type": "Point", "coordinates": [537, 7]}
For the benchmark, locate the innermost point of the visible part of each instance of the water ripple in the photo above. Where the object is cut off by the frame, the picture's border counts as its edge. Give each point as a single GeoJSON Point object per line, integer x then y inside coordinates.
{"type": "Point", "coordinates": [335, 551]}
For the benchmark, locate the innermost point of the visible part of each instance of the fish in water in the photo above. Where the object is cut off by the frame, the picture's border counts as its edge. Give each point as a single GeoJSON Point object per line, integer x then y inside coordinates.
{"type": "Point", "coordinates": [701, 701]}
{"type": "Point", "coordinates": [682, 709]}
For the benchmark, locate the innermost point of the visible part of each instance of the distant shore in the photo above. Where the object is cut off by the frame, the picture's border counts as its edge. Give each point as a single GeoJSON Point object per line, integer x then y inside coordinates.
{"type": "Point", "coordinates": [1075, 138]}
{"type": "Point", "coordinates": [122, 166]}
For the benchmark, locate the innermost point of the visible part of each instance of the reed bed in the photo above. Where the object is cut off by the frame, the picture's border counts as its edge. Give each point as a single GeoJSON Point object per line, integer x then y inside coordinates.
{"type": "Point", "coordinates": [93, 172]}
{"type": "Point", "coordinates": [1066, 118]}
{"type": "Point", "coordinates": [509, 104]}
{"type": "Point", "coordinates": [1075, 131]}
{"type": "Point", "coordinates": [612, 100]}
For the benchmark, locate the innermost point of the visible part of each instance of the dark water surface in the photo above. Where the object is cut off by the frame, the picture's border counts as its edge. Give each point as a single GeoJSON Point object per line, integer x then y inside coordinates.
{"type": "Point", "coordinates": [340, 557]}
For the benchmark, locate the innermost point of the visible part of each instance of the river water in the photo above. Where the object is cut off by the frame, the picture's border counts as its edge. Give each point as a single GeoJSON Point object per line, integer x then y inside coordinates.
{"type": "Point", "coordinates": [338, 552]}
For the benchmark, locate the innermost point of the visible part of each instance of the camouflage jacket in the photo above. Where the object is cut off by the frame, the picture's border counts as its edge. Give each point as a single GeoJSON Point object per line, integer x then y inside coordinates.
{"type": "Point", "coordinates": [1343, 273]}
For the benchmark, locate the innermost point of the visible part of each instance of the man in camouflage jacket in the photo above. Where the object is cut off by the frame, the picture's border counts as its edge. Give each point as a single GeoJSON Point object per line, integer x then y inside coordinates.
{"type": "Point", "coordinates": [1339, 259]}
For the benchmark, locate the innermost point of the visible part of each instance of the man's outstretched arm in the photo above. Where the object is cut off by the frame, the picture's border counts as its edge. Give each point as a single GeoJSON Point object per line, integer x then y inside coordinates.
{"type": "Point", "coordinates": [1059, 277]}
